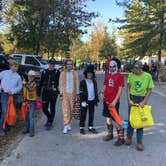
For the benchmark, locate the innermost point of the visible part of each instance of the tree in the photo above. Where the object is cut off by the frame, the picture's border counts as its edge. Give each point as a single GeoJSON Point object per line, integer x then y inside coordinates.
{"type": "Point", "coordinates": [46, 24]}
{"type": "Point", "coordinates": [145, 22]}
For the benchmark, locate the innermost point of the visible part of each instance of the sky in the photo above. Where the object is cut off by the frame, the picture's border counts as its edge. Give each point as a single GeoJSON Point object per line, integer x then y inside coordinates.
{"type": "Point", "coordinates": [107, 9]}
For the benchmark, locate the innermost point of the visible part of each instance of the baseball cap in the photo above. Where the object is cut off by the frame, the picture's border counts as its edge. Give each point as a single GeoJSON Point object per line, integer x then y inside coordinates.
{"type": "Point", "coordinates": [52, 61]}
{"type": "Point", "coordinates": [138, 64]}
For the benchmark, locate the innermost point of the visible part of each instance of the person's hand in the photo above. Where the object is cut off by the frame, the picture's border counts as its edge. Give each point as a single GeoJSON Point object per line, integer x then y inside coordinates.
{"type": "Point", "coordinates": [0, 89]}
{"type": "Point", "coordinates": [142, 104]}
{"type": "Point", "coordinates": [131, 102]}
{"type": "Point", "coordinates": [97, 104]}
{"type": "Point", "coordinates": [23, 82]}
{"type": "Point", "coordinates": [101, 95]}
{"type": "Point", "coordinates": [61, 96]}
{"type": "Point", "coordinates": [113, 104]}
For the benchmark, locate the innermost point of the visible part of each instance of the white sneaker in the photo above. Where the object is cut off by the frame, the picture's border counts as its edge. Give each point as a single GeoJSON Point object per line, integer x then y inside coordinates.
{"type": "Point", "coordinates": [69, 127]}
{"type": "Point", "coordinates": [65, 130]}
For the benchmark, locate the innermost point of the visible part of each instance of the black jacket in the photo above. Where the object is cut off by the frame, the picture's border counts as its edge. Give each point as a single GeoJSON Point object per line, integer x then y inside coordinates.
{"type": "Point", "coordinates": [84, 91]}
{"type": "Point", "coordinates": [49, 81]}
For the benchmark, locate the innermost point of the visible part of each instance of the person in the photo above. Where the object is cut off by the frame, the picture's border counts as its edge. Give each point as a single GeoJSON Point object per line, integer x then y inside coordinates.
{"type": "Point", "coordinates": [153, 70]}
{"type": "Point", "coordinates": [145, 67]}
{"type": "Point", "coordinates": [11, 84]}
{"type": "Point", "coordinates": [69, 89]}
{"type": "Point", "coordinates": [111, 92]}
{"type": "Point", "coordinates": [30, 96]}
{"type": "Point", "coordinates": [48, 85]}
{"type": "Point", "coordinates": [139, 87]}
{"type": "Point", "coordinates": [88, 99]}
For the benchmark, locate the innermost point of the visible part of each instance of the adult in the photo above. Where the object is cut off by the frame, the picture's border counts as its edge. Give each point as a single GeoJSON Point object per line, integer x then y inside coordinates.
{"type": "Point", "coordinates": [145, 67]}
{"type": "Point", "coordinates": [11, 84]}
{"type": "Point", "coordinates": [69, 89]}
{"type": "Point", "coordinates": [139, 87]}
{"type": "Point", "coordinates": [48, 87]}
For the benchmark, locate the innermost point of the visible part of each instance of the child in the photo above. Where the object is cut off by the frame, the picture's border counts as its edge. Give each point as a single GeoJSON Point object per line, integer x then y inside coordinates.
{"type": "Point", "coordinates": [30, 96]}
{"type": "Point", "coordinates": [89, 99]}
{"type": "Point", "coordinates": [111, 93]}
{"type": "Point", "coordinates": [11, 84]}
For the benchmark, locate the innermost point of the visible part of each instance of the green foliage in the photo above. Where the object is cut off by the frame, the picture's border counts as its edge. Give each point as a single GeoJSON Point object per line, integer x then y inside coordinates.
{"type": "Point", "coordinates": [145, 24]}
{"type": "Point", "coordinates": [44, 25]}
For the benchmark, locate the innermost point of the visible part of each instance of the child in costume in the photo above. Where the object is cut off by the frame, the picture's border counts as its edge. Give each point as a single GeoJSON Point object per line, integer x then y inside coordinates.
{"type": "Point", "coordinates": [111, 92]}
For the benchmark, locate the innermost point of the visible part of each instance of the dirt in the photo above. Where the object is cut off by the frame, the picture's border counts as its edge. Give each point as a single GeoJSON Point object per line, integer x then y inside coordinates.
{"type": "Point", "coordinates": [13, 137]}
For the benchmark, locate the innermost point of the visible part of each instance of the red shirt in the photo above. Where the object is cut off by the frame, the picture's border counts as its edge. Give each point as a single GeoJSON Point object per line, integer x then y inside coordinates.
{"type": "Point", "coordinates": [112, 84]}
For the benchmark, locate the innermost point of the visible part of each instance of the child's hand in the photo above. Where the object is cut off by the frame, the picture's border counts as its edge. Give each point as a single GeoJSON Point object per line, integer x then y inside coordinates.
{"type": "Point", "coordinates": [24, 82]}
{"type": "Point", "coordinates": [101, 95]}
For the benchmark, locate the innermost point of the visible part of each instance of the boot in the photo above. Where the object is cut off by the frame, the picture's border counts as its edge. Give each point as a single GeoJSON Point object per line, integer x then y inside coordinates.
{"type": "Point", "coordinates": [120, 141]}
{"type": "Point", "coordinates": [109, 135]}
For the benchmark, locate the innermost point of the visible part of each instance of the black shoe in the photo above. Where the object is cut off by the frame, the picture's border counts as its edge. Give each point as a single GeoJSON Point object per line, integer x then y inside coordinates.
{"type": "Point", "coordinates": [25, 131]}
{"type": "Point", "coordinates": [82, 131]}
{"type": "Point", "coordinates": [46, 124]}
{"type": "Point", "coordinates": [92, 130]}
{"type": "Point", "coordinates": [49, 126]}
{"type": "Point", "coordinates": [31, 134]}
{"type": "Point", "coordinates": [119, 142]}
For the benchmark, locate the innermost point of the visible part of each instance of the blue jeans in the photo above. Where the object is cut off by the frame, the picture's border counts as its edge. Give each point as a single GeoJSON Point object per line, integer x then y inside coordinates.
{"type": "Point", "coordinates": [4, 101]}
{"type": "Point", "coordinates": [30, 122]}
{"type": "Point", "coordinates": [130, 129]}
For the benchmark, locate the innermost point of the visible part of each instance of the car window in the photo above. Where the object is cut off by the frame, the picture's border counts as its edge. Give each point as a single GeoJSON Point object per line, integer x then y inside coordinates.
{"type": "Point", "coordinates": [2, 61]}
{"type": "Point", "coordinates": [31, 61]}
{"type": "Point", "coordinates": [17, 58]}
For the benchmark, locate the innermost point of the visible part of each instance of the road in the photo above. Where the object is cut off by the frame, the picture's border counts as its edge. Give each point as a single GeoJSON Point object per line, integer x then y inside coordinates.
{"type": "Point", "coordinates": [53, 148]}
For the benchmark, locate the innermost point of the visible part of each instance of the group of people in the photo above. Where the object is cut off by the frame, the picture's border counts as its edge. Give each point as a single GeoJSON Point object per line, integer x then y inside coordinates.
{"type": "Point", "coordinates": [67, 85]}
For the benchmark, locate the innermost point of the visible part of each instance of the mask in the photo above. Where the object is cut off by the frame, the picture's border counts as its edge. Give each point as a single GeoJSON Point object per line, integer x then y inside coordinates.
{"type": "Point", "coordinates": [113, 67]}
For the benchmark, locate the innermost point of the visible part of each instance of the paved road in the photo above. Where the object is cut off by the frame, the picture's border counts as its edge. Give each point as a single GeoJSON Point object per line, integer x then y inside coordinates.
{"type": "Point", "coordinates": [53, 148]}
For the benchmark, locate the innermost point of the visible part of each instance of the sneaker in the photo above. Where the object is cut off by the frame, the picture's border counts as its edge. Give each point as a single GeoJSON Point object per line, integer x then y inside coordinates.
{"type": "Point", "coordinates": [128, 142]}
{"type": "Point", "coordinates": [49, 126]}
{"type": "Point", "coordinates": [139, 146]}
{"type": "Point", "coordinates": [65, 130]}
{"type": "Point", "coordinates": [69, 127]}
{"type": "Point", "coordinates": [108, 137]}
{"type": "Point", "coordinates": [31, 134]}
{"type": "Point", "coordinates": [92, 130]}
{"type": "Point", "coordinates": [82, 131]}
{"type": "Point", "coordinates": [119, 142]}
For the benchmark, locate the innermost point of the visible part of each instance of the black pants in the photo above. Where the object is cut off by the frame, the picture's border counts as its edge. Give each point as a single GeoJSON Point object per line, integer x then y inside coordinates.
{"type": "Point", "coordinates": [91, 108]}
{"type": "Point", "coordinates": [49, 99]}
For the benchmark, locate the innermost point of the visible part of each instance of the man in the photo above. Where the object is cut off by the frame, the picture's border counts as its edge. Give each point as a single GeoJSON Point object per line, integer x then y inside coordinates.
{"type": "Point", "coordinates": [69, 89]}
{"type": "Point", "coordinates": [11, 84]}
{"type": "Point", "coordinates": [49, 82]}
{"type": "Point", "coordinates": [139, 87]}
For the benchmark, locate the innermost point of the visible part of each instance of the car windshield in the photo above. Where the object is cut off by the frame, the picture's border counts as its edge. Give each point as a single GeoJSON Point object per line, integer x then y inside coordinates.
{"type": "Point", "coordinates": [42, 60]}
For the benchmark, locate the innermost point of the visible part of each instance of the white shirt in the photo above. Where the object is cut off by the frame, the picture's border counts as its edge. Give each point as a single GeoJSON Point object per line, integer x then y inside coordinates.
{"type": "Point", "coordinates": [69, 82]}
{"type": "Point", "coordinates": [10, 82]}
{"type": "Point", "coordinates": [90, 88]}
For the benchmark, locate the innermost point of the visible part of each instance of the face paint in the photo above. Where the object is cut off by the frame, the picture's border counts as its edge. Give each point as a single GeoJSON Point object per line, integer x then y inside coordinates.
{"type": "Point", "coordinates": [113, 67]}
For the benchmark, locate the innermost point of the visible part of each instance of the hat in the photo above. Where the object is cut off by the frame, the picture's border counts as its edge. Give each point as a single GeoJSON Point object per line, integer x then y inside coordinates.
{"type": "Point", "coordinates": [31, 73]}
{"type": "Point", "coordinates": [138, 64]}
{"type": "Point", "coordinates": [89, 69]}
{"type": "Point", "coordinates": [52, 61]}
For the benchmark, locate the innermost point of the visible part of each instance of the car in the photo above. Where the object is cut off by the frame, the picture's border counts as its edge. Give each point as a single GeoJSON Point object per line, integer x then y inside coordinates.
{"type": "Point", "coordinates": [29, 60]}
